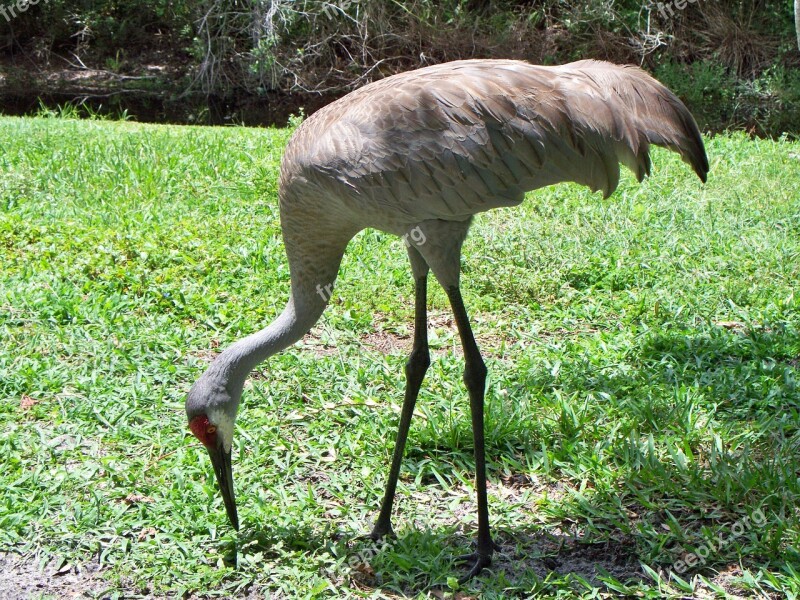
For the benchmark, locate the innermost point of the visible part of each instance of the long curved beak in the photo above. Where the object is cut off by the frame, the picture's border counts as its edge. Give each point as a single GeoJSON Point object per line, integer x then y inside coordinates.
{"type": "Point", "coordinates": [221, 459]}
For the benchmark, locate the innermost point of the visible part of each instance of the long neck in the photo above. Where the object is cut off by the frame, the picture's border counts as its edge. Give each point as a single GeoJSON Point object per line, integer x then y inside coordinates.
{"type": "Point", "coordinates": [314, 264]}
{"type": "Point", "coordinates": [238, 360]}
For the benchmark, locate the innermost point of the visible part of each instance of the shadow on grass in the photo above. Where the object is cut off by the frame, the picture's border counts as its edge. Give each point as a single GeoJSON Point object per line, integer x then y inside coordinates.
{"type": "Point", "coordinates": [707, 423]}
{"type": "Point", "coordinates": [708, 435]}
{"type": "Point", "coordinates": [423, 560]}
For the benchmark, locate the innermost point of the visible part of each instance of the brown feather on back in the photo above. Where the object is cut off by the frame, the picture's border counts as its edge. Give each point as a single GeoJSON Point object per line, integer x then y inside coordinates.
{"type": "Point", "coordinates": [448, 141]}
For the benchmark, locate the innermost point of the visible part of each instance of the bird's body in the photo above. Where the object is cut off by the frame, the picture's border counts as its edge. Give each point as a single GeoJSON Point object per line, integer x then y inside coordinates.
{"type": "Point", "coordinates": [452, 140]}
{"type": "Point", "coordinates": [423, 152]}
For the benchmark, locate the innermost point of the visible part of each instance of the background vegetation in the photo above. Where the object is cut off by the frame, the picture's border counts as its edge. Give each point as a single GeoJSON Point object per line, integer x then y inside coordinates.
{"type": "Point", "coordinates": [734, 62]}
{"type": "Point", "coordinates": [643, 350]}
{"type": "Point", "coordinates": [642, 400]}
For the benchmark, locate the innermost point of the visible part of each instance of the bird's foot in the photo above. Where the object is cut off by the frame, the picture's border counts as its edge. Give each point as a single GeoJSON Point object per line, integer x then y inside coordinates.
{"type": "Point", "coordinates": [378, 533]}
{"type": "Point", "coordinates": [477, 561]}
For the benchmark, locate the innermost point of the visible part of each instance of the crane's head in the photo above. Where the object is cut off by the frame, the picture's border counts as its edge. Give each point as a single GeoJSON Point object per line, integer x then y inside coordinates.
{"type": "Point", "coordinates": [211, 410]}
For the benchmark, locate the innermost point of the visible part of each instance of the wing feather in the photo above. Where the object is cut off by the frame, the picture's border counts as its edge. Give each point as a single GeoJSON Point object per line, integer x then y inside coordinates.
{"type": "Point", "coordinates": [455, 139]}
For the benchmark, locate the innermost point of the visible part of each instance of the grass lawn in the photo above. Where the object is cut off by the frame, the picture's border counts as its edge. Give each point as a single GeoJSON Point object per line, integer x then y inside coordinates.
{"type": "Point", "coordinates": [642, 407]}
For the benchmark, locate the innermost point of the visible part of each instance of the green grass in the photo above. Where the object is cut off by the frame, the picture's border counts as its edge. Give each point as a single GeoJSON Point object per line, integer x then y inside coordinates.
{"type": "Point", "coordinates": [643, 397]}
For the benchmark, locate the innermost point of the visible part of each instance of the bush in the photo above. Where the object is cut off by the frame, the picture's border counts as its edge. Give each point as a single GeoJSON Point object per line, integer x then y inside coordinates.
{"type": "Point", "coordinates": [735, 64]}
{"type": "Point", "coordinates": [718, 99]}
{"type": "Point", "coordinates": [99, 28]}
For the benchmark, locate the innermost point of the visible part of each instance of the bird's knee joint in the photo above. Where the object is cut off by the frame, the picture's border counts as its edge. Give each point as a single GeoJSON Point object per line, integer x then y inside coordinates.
{"type": "Point", "coordinates": [418, 362]}
{"type": "Point", "coordinates": [475, 376]}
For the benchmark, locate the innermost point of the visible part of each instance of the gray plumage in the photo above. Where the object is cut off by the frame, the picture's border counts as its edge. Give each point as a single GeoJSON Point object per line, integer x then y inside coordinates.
{"type": "Point", "coordinates": [422, 152]}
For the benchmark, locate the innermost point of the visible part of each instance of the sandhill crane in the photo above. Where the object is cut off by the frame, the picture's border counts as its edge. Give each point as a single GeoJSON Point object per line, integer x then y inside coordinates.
{"type": "Point", "coordinates": [417, 155]}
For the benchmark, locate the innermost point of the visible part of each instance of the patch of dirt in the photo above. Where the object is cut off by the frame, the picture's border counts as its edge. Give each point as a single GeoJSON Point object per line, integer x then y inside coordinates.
{"type": "Point", "coordinates": [208, 355]}
{"type": "Point", "coordinates": [544, 552]}
{"type": "Point", "coordinates": [313, 342]}
{"type": "Point", "coordinates": [21, 579]}
{"type": "Point", "coordinates": [736, 326]}
{"type": "Point", "coordinates": [379, 340]}
{"type": "Point", "coordinates": [27, 403]}
{"type": "Point", "coordinates": [386, 342]}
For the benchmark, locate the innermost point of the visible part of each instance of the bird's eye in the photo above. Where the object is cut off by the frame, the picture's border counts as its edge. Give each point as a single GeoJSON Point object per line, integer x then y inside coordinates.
{"type": "Point", "coordinates": [211, 429]}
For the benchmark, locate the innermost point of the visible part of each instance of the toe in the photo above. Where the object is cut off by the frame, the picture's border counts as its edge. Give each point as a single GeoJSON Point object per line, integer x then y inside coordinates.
{"type": "Point", "coordinates": [479, 563]}
{"type": "Point", "coordinates": [378, 533]}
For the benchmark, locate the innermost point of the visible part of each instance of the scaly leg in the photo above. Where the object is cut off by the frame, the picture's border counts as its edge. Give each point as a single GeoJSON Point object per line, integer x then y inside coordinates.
{"type": "Point", "coordinates": [417, 365]}
{"type": "Point", "coordinates": [475, 380]}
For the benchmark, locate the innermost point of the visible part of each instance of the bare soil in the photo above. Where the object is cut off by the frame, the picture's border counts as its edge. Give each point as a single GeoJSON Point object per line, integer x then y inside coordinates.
{"type": "Point", "coordinates": [22, 579]}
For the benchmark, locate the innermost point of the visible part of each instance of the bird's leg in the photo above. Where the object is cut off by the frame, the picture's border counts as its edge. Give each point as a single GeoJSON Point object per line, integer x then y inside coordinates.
{"type": "Point", "coordinates": [475, 380]}
{"type": "Point", "coordinates": [417, 365]}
